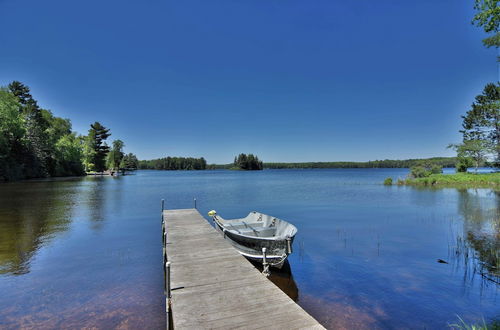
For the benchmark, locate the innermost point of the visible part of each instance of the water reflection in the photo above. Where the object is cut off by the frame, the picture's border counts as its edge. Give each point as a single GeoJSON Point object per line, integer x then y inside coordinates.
{"type": "Point", "coordinates": [95, 197]}
{"type": "Point", "coordinates": [30, 217]}
{"type": "Point", "coordinates": [478, 248]}
{"type": "Point", "coordinates": [283, 279]}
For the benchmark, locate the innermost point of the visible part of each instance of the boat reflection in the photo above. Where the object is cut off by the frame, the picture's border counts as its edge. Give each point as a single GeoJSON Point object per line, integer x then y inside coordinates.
{"type": "Point", "coordinates": [283, 279]}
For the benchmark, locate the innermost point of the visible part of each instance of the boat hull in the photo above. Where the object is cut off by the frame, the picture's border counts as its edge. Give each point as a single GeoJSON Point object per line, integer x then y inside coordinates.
{"type": "Point", "coordinates": [277, 249]}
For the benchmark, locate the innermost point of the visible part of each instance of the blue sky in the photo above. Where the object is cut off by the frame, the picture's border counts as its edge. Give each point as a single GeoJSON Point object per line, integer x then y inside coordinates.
{"type": "Point", "coordinates": [287, 80]}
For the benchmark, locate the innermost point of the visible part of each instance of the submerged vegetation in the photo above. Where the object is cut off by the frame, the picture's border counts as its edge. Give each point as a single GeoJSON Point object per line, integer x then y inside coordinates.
{"type": "Point", "coordinates": [36, 144]}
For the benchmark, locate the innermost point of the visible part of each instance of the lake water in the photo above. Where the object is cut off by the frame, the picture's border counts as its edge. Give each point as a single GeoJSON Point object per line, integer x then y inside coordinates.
{"type": "Point", "coordinates": [86, 252]}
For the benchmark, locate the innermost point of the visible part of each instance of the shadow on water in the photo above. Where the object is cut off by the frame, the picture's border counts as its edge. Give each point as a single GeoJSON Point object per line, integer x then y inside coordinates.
{"type": "Point", "coordinates": [31, 218]}
{"type": "Point", "coordinates": [283, 279]}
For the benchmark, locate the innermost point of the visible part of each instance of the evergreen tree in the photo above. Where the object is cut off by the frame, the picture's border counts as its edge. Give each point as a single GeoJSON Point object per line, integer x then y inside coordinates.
{"type": "Point", "coordinates": [96, 149]}
{"type": "Point", "coordinates": [248, 162]}
{"type": "Point", "coordinates": [36, 159]}
{"type": "Point", "coordinates": [488, 17]}
{"type": "Point", "coordinates": [482, 121]}
{"type": "Point", "coordinates": [11, 135]}
{"type": "Point", "coordinates": [129, 162]}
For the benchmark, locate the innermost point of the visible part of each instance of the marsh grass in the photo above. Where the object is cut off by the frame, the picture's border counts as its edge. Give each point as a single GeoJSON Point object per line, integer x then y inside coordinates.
{"type": "Point", "coordinates": [462, 325]}
{"type": "Point", "coordinates": [478, 255]}
{"type": "Point", "coordinates": [457, 179]}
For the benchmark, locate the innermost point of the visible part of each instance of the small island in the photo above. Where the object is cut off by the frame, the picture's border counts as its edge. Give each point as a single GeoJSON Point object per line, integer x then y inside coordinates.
{"type": "Point", "coordinates": [246, 162]}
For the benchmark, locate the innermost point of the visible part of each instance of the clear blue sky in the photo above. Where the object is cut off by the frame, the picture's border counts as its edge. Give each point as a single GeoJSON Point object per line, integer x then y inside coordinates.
{"type": "Point", "coordinates": [288, 80]}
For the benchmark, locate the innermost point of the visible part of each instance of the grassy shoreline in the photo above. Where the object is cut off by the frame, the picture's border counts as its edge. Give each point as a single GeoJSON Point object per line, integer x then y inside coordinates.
{"type": "Point", "coordinates": [457, 179]}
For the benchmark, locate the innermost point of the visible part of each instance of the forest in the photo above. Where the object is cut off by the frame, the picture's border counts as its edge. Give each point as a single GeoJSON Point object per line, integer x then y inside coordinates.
{"type": "Point", "coordinates": [174, 163]}
{"type": "Point", "coordinates": [407, 163]}
{"type": "Point", "coordinates": [34, 143]}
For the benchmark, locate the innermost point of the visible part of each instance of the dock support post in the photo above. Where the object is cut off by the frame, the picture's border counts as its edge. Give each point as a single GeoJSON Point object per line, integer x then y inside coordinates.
{"type": "Point", "coordinates": [162, 209]}
{"type": "Point", "coordinates": [195, 203]}
{"type": "Point", "coordinates": [265, 265]}
{"type": "Point", "coordinates": [165, 246]}
{"type": "Point", "coordinates": [167, 293]}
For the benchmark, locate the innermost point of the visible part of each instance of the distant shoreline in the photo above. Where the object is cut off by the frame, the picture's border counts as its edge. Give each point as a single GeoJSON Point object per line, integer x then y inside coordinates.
{"type": "Point", "coordinates": [447, 162]}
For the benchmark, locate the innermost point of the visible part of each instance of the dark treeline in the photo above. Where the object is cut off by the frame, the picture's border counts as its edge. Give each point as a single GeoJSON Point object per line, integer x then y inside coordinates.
{"type": "Point", "coordinates": [248, 162]}
{"type": "Point", "coordinates": [173, 163]}
{"type": "Point", "coordinates": [36, 144]}
{"type": "Point", "coordinates": [407, 163]}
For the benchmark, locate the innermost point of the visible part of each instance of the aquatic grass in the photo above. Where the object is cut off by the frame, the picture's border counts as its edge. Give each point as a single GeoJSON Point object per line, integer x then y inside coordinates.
{"type": "Point", "coordinates": [462, 325]}
{"type": "Point", "coordinates": [388, 181]}
{"type": "Point", "coordinates": [479, 255]}
{"type": "Point", "coordinates": [457, 179]}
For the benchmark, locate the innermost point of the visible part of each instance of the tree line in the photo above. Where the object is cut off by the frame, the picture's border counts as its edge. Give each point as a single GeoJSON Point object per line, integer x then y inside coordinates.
{"type": "Point", "coordinates": [387, 163]}
{"type": "Point", "coordinates": [174, 163]}
{"type": "Point", "coordinates": [407, 163]}
{"type": "Point", "coordinates": [36, 144]}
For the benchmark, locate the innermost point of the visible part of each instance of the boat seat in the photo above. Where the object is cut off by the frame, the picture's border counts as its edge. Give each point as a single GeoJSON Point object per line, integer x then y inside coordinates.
{"type": "Point", "coordinates": [258, 232]}
{"type": "Point", "coordinates": [240, 225]}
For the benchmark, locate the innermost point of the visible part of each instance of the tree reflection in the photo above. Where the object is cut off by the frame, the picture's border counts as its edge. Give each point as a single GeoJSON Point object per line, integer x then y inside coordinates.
{"type": "Point", "coordinates": [479, 246]}
{"type": "Point", "coordinates": [31, 215]}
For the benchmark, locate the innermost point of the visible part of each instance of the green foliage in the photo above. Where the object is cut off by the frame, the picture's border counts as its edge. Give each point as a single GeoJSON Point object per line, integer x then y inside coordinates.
{"type": "Point", "coordinates": [35, 143]}
{"type": "Point", "coordinates": [115, 156]}
{"type": "Point", "coordinates": [36, 156]}
{"type": "Point", "coordinates": [424, 170]}
{"type": "Point", "coordinates": [419, 171]}
{"type": "Point", "coordinates": [129, 162]}
{"type": "Point", "coordinates": [96, 150]}
{"type": "Point", "coordinates": [458, 180]}
{"type": "Point", "coordinates": [407, 163]}
{"type": "Point", "coordinates": [462, 325]}
{"type": "Point", "coordinates": [482, 123]}
{"type": "Point", "coordinates": [247, 162]}
{"type": "Point", "coordinates": [388, 181]}
{"type": "Point", "coordinates": [174, 163]}
{"type": "Point", "coordinates": [471, 152]}
{"type": "Point", "coordinates": [69, 154]}
{"type": "Point", "coordinates": [463, 164]}
{"type": "Point", "coordinates": [11, 137]}
{"type": "Point", "coordinates": [488, 17]}
{"type": "Point", "coordinates": [436, 169]}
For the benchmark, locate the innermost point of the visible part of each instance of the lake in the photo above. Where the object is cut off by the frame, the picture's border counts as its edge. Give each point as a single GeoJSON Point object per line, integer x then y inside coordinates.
{"type": "Point", "coordinates": [86, 252]}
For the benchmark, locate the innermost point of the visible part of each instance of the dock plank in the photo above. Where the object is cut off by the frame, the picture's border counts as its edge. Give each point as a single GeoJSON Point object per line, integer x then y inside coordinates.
{"type": "Point", "coordinates": [216, 287]}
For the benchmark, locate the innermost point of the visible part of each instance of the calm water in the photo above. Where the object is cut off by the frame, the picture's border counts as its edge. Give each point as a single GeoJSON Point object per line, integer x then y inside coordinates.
{"type": "Point", "coordinates": [86, 252]}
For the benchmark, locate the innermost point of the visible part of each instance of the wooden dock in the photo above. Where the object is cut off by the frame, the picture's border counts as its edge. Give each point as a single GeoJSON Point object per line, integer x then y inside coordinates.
{"type": "Point", "coordinates": [214, 287]}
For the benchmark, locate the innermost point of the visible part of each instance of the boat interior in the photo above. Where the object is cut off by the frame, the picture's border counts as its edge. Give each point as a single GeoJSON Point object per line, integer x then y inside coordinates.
{"type": "Point", "coordinates": [259, 225]}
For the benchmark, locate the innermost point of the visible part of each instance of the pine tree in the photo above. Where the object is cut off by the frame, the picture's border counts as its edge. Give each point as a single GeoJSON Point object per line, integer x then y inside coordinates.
{"type": "Point", "coordinates": [96, 149]}
{"type": "Point", "coordinates": [482, 121]}
{"type": "Point", "coordinates": [36, 157]}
